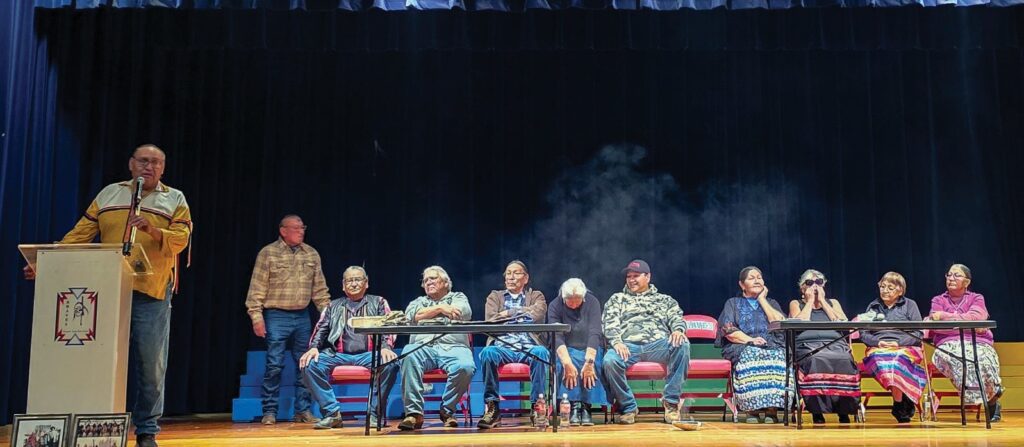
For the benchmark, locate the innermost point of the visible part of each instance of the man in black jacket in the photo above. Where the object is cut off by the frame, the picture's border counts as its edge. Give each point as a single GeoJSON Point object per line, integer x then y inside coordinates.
{"type": "Point", "coordinates": [334, 343]}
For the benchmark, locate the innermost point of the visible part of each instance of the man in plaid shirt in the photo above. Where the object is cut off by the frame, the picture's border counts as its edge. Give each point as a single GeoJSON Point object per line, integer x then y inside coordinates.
{"type": "Point", "coordinates": [286, 277]}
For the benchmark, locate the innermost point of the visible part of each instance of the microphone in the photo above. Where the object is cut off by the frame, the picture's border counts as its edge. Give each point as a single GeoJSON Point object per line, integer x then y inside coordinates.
{"type": "Point", "coordinates": [136, 208]}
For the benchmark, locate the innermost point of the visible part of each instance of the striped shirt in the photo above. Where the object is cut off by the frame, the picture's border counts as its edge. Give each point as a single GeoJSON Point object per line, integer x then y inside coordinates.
{"type": "Point", "coordinates": [286, 279]}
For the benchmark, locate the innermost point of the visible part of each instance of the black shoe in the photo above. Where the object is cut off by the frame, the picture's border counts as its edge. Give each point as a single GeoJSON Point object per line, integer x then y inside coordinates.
{"type": "Point", "coordinates": [145, 440]}
{"type": "Point", "coordinates": [491, 417]}
{"type": "Point", "coordinates": [995, 398]}
{"type": "Point", "coordinates": [586, 418]}
{"type": "Point", "coordinates": [844, 418]}
{"type": "Point", "coordinates": [997, 412]}
{"type": "Point", "coordinates": [818, 418]}
{"type": "Point", "coordinates": [447, 419]}
{"type": "Point", "coordinates": [332, 420]}
{"type": "Point", "coordinates": [574, 414]}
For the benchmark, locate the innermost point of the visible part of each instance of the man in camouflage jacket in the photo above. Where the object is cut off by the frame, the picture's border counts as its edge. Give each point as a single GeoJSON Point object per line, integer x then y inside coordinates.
{"type": "Point", "coordinates": [643, 325]}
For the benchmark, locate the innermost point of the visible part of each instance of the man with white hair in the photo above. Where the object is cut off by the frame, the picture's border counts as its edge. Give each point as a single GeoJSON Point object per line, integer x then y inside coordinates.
{"type": "Point", "coordinates": [452, 352]}
{"type": "Point", "coordinates": [579, 363]}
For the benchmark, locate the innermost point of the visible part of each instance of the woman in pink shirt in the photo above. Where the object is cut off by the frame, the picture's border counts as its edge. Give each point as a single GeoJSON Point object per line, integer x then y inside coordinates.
{"type": "Point", "coordinates": [958, 303]}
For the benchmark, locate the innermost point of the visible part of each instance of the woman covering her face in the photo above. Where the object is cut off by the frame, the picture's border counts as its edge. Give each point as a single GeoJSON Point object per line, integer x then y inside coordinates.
{"type": "Point", "coordinates": [830, 381]}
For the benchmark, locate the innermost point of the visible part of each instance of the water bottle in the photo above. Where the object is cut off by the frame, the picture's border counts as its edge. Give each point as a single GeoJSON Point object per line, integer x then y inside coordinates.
{"type": "Point", "coordinates": [540, 411]}
{"type": "Point", "coordinates": [564, 407]}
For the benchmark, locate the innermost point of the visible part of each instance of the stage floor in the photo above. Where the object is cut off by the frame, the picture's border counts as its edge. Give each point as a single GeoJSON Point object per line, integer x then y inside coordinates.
{"type": "Point", "coordinates": [880, 430]}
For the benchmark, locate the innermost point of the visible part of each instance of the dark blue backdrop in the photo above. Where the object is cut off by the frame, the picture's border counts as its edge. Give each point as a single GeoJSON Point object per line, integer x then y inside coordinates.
{"type": "Point", "coordinates": [854, 141]}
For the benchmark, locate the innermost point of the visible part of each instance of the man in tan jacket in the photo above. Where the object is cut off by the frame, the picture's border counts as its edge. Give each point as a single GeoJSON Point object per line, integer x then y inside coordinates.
{"type": "Point", "coordinates": [529, 306]}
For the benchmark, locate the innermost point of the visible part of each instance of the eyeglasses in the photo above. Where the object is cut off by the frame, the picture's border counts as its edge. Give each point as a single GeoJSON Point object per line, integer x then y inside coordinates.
{"type": "Point", "coordinates": [430, 279]}
{"type": "Point", "coordinates": [811, 282]}
{"type": "Point", "coordinates": [515, 274]}
{"type": "Point", "coordinates": [295, 227]}
{"type": "Point", "coordinates": [154, 162]}
{"type": "Point", "coordinates": [888, 287]}
{"type": "Point", "coordinates": [952, 275]}
{"type": "Point", "coordinates": [353, 280]}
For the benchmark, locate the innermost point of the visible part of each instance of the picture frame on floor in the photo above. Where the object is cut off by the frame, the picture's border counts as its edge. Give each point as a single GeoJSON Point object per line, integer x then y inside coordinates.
{"type": "Point", "coordinates": [100, 430]}
{"type": "Point", "coordinates": [42, 430]}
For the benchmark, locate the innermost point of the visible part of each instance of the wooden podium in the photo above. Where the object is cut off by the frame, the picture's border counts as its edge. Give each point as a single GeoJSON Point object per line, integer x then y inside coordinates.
{"type": "Point", "coordinates": [80, 326]}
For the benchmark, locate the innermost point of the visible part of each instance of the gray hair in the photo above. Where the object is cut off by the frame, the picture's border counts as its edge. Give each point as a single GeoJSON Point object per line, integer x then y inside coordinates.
{"type": "Point", "coordinates": [289, 216]}
{"type": "Point", "coordinates": [358, 269]}
{"type": "Point", "coordinates": [573, 287]}
{"type": "Point", "coordinates": [440, 272]}
{"type": "Point", "coordinates": [963, 268]}
{"type": "Point", "coordinates": [810, 274]}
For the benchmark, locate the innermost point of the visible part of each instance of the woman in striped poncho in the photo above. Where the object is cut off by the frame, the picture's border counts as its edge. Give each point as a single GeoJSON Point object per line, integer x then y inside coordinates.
{"type": "Point", "coordinates": [895, 357]}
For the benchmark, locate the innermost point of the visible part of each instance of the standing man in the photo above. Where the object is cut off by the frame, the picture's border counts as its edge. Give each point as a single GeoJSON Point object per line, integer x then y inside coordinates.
{"type": "Point", "coordinates": [164, 228]}
{"type": "Point", "coordinates": [334, 343]}
{"type": "Point", "coordinates": [452, 352]}
{"type": "Point", "coordinates": [286, 277]}
{"type": "Point", "coordinates": [530, 306]}
{"type": "Point", "coordinates": [643, 325]}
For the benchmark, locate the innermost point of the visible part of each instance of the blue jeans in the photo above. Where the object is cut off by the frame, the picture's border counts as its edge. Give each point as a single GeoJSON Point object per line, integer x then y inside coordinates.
{"type": "Point", "coordinates": [456, 361]}
{"type": "Point", "coordinates": [147, 354]}
{"type": "Point", "coordinates": [494, 356]}
{"type": "Point", "coordinates": [675, 360]}
{"type": "Point", "coordinates": [285, 328]}
{"type": "Point", "coordinates": [581, 394]}
{"type": "Point", "coordinates": [317, 377]}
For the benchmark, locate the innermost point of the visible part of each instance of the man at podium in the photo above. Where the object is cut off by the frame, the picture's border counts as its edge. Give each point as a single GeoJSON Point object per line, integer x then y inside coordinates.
{"type": "Point", "coordinates": [163, 229]}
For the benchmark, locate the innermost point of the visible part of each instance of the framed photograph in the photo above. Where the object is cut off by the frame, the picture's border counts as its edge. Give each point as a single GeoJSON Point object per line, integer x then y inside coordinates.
{"type": "Point", "coordinates": [40, 430]}
{"type": "Point", "coordinates": [100, 430]}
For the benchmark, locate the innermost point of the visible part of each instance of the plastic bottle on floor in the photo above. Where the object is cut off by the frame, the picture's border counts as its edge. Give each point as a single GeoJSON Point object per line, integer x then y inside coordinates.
{"type": "Point", "coordinates": [540, 411]}
{"type": "Point", "coordinates": [564, 408]}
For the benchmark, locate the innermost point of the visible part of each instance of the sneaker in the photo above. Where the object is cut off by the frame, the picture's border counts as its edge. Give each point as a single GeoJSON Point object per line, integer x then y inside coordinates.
{"type": "Point", "coordinates": [671, 412]}
{"type": "Point", "coordinates": [145, 440]}
{"type": "Point", "coordinates": [574, 415]}
{"type": "Point", "coordinates": [305, 417]}
{"type": "Point", "coordinates": [586, 419]}
{"type": "Point", "coordinates": [491, 417]}
{"type": "Point", "coordinates": [447, 419]}
{"type": "Point", "coordinates": [411, 422]}
{"type": "Point", "coordinates": [819, 418]}
{"type": "Point", "coordinates": [269, 419]}
{"type": "Point", "coordinates": [330, 421]}
{"type": "Point", "coordinates": [628, 418]}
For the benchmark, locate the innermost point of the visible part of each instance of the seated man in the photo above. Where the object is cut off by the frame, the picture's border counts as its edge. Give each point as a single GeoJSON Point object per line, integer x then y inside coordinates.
{"type": "Point", "coordinates": [529, 305]}
{"type": "Point", "coordinates": [643, 325]}
{"type": "Point", "coordinates": [452, 352]}
{"type": "Point", "coordinates": [334, 343]}
{"type": "Point", "coordinates": [578, 352]}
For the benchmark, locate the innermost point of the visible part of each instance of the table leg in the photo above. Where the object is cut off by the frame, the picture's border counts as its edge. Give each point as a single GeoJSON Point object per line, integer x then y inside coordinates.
{"type": "Point", "coordinates": [553, 384]}
{"type": "Point", "coordinates": [374, 362]}
{"type": "Point", "coordinates": [981, 386]}
{"type": "Point", "coordinates": [796, 385]}
{"type": "Point", "coordinates": [785, 406]}
{"type": "Point", "coordinates": [963, 382]}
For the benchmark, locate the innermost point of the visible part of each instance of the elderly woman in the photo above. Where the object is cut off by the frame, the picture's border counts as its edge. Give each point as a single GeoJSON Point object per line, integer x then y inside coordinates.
{"type": "Point", "coordinates": [829, 379]}
{"type": "Point", "coordinates": [894, 357]}
{"type": "Point", "coordinates": [579, 362]}
{"type": "Point", "coordinates": [757, 356]}
{"type": "Point", "coordinates": [959, 303]}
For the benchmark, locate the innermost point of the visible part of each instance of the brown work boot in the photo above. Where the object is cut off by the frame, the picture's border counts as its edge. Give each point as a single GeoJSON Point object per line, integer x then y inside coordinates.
{"type": "Point", "coordinates": [491, 417]}
{"type": "Point", "coordinates": [447, 419]}
{"type": "Point", "coordinates": [305, 416]}
{"type": "Point", "coordinates": [671, 412]}
{"type": "Point", "coordinates": [269, 419]}
{"type": "Point", "coordinates": [413, 421]}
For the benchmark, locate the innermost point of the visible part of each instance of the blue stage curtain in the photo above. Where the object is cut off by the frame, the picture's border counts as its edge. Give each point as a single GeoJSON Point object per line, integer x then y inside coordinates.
{"type": "Point", "coordinates": [512, 5]}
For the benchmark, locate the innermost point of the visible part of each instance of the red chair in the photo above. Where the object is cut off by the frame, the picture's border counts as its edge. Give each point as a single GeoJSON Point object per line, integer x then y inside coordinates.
{"type": "Point", "coordinates": [697, 327]}
{"type": "Point", "coordinates": [935, 397]}
{"type": "Point", "coordinates": [515, 372]}
{"type": "Point", "coordinates": [349, 375]}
